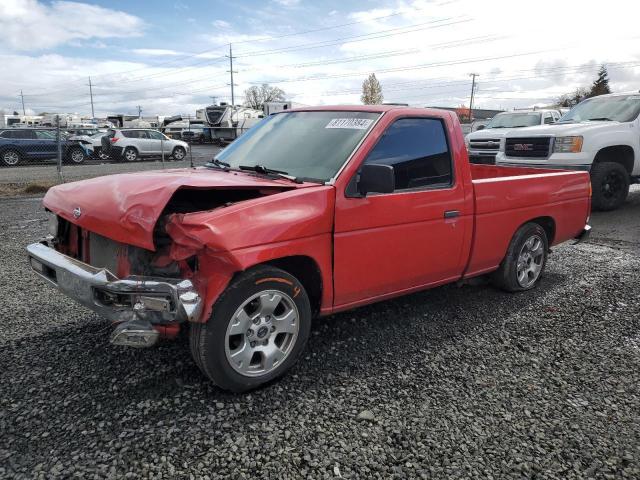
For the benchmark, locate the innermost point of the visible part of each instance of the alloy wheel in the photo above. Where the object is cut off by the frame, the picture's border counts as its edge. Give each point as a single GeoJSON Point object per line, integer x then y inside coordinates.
{"type": "Point", "coordinates": [262, 333]}
{"type": "Point", "coordinates": [530, 261]}
{"type": "Point", "coordinates": [10, 158]}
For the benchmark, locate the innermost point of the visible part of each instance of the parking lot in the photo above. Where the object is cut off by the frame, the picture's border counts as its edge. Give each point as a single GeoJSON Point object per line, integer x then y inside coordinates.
{"type": "Point", "coordinates": [456, 382]}
{"type": "Point", "coordinates": [47, 171]}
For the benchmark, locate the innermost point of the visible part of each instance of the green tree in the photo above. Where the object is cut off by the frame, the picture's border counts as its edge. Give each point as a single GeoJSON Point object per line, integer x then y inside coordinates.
{"type": "Point", "coordinates": [371, 91]}
{"type": "Point", "coordinates": [601, 84]}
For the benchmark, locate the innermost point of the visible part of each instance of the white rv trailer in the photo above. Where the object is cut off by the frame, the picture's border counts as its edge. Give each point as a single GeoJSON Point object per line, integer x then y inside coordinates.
{"type": "Point", "coordinates": [228, 122]}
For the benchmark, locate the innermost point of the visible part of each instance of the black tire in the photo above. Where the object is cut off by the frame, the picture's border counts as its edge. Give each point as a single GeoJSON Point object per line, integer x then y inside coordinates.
{"type": "Point", "coordinates": [506, 277]}
{"type": "Point", "coordinates": [178, 154]}
{"type": "Point", "coordinates": [75, 155]}
{"type": "Point", "coordinates": [209, 340]}
{"type": "Point", "coordinates": [610, 185]}
{"type": "Point", "coordinates": [10, 158]}
{"type": "Point", "coordinates": [130, 154]}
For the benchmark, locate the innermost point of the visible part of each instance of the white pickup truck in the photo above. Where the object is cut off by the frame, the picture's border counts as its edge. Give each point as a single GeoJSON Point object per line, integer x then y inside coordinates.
{"type": "Point", "coordinates": [484, 143]}
{"type": "Point", "coordinates": [600, 135]}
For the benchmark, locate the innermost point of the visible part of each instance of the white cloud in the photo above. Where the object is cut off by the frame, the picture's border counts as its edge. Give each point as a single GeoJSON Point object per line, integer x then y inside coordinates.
{"type": "Point", "coordinates": [287, 3]}
{"type": "Point", "coordinates": [32, 25]}
{"type": "Point", "coordinates": [156, 52]}
{"type": "Point", "coordinates": [221, 24]}
{"type": "Point", "coordinates": [569, 54]}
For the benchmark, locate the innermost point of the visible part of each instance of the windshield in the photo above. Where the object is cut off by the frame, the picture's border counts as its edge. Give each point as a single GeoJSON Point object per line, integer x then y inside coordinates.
{"type": "Point", "coordinates": [622, 108]}
{"type": "Point", "coordinates": [307, 145]}
{"type": "Point", "coordinates": [514, 120]}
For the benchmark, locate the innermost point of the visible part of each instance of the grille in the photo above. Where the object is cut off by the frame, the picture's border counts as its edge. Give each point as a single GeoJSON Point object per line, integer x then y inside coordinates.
{"type": "Point", "coordinates": [485, 144]}
{"type": "Point", "coordinates": [532, 147]}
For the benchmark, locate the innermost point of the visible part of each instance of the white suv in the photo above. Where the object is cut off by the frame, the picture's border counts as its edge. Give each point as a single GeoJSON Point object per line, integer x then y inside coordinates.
{"type": "Point", "coordinates": [130, 144]}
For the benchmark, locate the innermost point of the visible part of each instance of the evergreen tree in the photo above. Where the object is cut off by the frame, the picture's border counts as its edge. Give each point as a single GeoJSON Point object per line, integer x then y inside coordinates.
{"type": "Point", "coordinates": [371, 91]}
{"type": "Point", "coordinates": [601, 84]}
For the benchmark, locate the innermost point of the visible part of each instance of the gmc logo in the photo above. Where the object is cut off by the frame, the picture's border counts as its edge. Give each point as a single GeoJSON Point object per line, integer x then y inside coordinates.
{"type": "Point", "coordinates": [523, 147]}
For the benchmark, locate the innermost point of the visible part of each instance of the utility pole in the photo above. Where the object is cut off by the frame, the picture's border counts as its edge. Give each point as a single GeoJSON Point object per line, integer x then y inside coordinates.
{"type": "Point", "coordinates": [473, 90]}
{"type": "Point", "coordinates": [139, 111]}
{"type": "Point", "coordinates": [230, 56]}
{"type": "Point", "coordinates": [93, 114]}
{"type": "Point", "coordinates": [213, 99]}
{"type": "Point", "coordinates": [23, 110]}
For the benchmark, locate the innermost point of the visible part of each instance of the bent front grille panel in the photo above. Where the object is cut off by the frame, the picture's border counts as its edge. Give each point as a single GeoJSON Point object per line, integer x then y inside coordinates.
{"type": "Point", "coordinates": [532, 147]}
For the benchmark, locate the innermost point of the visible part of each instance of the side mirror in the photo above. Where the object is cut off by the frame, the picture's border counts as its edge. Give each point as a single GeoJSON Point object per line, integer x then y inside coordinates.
{"type": "Point", "coordinates": [376, 178]}
{"type": "Point", "coordinates": [480, 127]}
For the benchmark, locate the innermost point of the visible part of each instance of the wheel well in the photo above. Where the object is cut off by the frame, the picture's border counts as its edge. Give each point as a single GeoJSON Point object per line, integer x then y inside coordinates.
{"type": "Point", "coordinates": [549, 226]}
{"type": "Point", "coordinates": [622, 154]}
{"type": "Point", "coordinates": [307, 271]}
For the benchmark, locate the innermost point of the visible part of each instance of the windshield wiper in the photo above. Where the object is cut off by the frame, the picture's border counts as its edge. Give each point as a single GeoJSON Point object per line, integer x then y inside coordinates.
{"type": "Point", "coordinates": [218, 164]}
{"type": "Point", "coordinates": [605, 119]}
{"type": "Point", "coordinates": [270, 171]}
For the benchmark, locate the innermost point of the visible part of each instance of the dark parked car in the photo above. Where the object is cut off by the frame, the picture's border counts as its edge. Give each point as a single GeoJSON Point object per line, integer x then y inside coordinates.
{"type": "Point", "coordinates": [18, 145]}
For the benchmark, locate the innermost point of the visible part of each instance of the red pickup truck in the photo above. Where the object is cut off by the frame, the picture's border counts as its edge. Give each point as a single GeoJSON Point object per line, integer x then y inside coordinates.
{"type": "Point", "coordinates": [311, 212]}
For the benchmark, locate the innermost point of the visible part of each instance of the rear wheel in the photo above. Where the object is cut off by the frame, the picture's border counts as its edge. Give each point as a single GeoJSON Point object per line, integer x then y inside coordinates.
{"type": "Point", "coordinates": [257, 331]}
{"type": "Point", "coordinates": [130, 154]}
{"type": "Point", "coordinates": [10, 158]}
{"type": "Point", "coordinates": [525, 260]}
{"type": "Point", "coordinates": [76, 155]}
{"type": "Point", "coordinates": [610, 185]}
{"type": "Point", "coordinates": [178, 153]}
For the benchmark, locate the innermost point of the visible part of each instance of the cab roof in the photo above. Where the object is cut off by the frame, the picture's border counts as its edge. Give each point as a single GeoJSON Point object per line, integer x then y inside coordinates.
{"type": "Point", "coordinates": [370, 108]}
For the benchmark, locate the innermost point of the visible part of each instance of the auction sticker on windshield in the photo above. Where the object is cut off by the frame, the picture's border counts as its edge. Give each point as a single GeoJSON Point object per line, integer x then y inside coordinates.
{"type": "Point", "coordinates": [352, 123]}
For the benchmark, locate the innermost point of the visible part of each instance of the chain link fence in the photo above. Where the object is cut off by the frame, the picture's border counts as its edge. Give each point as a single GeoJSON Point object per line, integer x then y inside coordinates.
{"type": "Point", "coordinates": [32, 156]}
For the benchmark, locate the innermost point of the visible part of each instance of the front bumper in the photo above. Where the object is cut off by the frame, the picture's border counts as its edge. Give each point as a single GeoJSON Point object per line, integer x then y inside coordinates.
{"type": "Point", "coordinates": [584, 235]}
{"type": "Point", "coordinates": [483, 157]}
{"type": "Point", "coordinates": [154, 300]}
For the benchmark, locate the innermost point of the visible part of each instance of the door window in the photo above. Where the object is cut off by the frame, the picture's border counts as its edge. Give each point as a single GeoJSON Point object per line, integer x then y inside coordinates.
{"type": "Point", "coordinates": [24, 134]}
{"type": "Point", "coordinates": [45, 135]}
{"type": "Point", "coordinates": [417, 150]}
{"type": "Point", "coordinates": [155, 135]}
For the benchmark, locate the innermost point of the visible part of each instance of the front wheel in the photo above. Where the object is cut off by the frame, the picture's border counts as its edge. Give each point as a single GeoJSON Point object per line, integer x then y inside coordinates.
{"type": "Point", "coordinates": [178, 153]}
{"type": "Point", "coordinates": [257, 331]}
{"type": "Point", "coordinates": [525, 260]}
{"type": "Point", "coordinates": [610, 184]}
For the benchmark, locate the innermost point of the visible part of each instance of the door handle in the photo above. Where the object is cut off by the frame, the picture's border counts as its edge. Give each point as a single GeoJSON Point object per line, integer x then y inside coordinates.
{"type": "Point", "coordinates": [452, 213]}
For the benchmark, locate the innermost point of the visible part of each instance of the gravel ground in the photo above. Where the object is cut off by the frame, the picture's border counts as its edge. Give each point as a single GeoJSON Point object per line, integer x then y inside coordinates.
{"type": "Point", "coordinates": [451, 383]}
{"type": "Point", "coordinates": [47, 171]}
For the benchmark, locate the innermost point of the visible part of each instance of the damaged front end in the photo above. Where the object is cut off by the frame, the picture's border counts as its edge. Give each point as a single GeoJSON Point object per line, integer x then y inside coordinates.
{"type": "Point", "coordinates": [150, 252]}
{"type": "Point", "coordinates": [145, 308]}
{"type": "Point", "coordinates": [147, 293]}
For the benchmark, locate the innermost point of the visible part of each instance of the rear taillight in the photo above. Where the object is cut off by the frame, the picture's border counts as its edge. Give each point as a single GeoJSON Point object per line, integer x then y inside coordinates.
{"type": "Point", "coordinates": [114, 139]}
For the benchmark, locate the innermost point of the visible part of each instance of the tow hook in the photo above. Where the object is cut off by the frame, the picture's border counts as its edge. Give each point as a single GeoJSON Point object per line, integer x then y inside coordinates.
{"type": "Point", "coordinates": [134, 333]}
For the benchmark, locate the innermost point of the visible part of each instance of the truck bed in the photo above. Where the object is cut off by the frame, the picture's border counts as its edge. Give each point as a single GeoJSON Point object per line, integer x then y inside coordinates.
{"type": "Point", "coordinates": [507, 197]}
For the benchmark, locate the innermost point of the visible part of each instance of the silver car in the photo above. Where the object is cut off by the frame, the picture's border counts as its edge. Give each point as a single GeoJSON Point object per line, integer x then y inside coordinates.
{"type": "Point", "coordinates": [131, 144]}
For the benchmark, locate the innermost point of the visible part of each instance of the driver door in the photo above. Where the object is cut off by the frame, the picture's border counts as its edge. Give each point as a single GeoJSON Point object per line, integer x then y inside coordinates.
{"type": "Point", "coordinates": [416, 236]}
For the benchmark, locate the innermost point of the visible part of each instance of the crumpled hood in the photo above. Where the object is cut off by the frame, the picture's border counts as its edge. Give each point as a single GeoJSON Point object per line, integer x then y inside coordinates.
{"type": "Point", "coordinates": [126, 207]}
{"type": "Point", "coordinates": [562, 129]}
